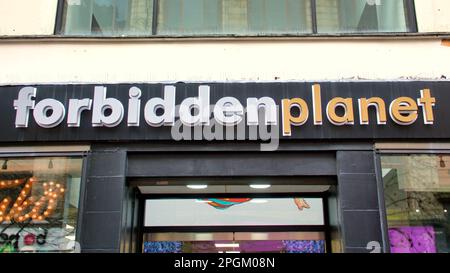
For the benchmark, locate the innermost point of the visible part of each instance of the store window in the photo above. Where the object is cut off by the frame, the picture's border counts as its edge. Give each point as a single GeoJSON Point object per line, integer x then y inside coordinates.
{"type": "Point", "coordinates": [417, 199]}
{"type": "Point", "coordinates": [39, 204]}
{"type": "Point", "coordinates": [216, 225]}
{"type": "Point", "coordinates": [233, 17]}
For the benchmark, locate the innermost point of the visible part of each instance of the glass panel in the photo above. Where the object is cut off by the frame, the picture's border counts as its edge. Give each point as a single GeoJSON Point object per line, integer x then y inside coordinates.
{"type": "Point", "coordinates": [361, 16]}
{"type": "Point", "coordinates": [108, 17]}
{"type": "Point", "coordinates": [39, 204]}
{"type": "Point", "coordinates": [245, 17]}
{"type": "Point", "coordinates": [417, 196]}
{"type": "Point", "coordinates": [189, 16]}
{"type": "Point", "coordinates": [275, 16]}
{"type": "Point", "coordinates": [193, 17]}
{"type": "Point", "coordinates": [234, 212]}
{"type": "Point", "coordinates": [235, 242]}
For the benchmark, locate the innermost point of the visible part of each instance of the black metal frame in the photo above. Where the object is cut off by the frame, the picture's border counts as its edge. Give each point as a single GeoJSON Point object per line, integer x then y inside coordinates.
{"type": "Point", "coordinates": [59, 18]}
{"type": "Point", "coordinates": [411, 20]}
{"type": "Point", "coordinates": [155, 16]}
{"type": "Point", "coordinates": [314, 16]}
{"type": "Point", "coordinates": [411, 17]}
{"type": "Point", "coordinates": [325, 180]}
{"type": "Point", "coordinates": [382, 204]}
{"type": "Point", "coordinates": [325, 228]}
{"type": "Point", "coordinates": [81, 201]}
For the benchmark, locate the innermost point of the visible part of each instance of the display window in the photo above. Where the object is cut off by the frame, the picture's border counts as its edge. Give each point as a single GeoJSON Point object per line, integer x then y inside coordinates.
{"type": "Point", "coordinates": [240, 215]}
{"type": "Point", "coordinates": [417, 200]}
{"type": "Point", "coordinates": [39, 202]}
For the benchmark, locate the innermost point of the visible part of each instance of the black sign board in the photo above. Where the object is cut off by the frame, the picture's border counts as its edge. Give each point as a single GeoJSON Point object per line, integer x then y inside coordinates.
{"type": "Point", "coordinates": [13, 130]}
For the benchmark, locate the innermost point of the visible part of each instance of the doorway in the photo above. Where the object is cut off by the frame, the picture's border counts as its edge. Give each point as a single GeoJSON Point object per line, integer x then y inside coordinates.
{"type": "Point", "coordinates": [234, 215]}
{"type": "Point", "coordinates": [234, 242]}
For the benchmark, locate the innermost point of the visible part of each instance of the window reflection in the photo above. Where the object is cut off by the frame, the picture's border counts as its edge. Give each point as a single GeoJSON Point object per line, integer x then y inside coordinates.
{"type": "Point", "coordinates": [39, 204]}
{"type": "Point", "coordinates": [108, 17]}
{"type": "Point", "coordinates": [228, 17]}
{"type": "Point", "coordinates": [361, 16]}
{"type": "Point", "coordinates": [254, 17]}
{"type": "Point", "coordinates": [417, 196]}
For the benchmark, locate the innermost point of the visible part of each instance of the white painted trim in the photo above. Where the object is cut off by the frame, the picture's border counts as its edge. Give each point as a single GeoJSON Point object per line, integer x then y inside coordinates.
{"type": "Point", "coordinates": [45, 149]}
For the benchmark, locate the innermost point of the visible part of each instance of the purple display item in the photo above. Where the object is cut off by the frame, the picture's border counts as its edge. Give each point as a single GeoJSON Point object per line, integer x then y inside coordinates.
{"type": "Point", "coordinates": [420, 239]}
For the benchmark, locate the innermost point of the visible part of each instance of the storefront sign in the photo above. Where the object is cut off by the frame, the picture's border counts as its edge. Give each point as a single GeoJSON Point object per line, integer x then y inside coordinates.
{"type": "Point", "coordinates": [344, 110]}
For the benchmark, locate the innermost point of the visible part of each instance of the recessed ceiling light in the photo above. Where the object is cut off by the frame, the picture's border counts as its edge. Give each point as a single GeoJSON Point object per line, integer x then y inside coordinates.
{"type": "Point", "coordinates": [202, 201]}
{"type": "Point", "coordinates": [258, 201]}
{"type": "Point", "coordinates": [227, 245]}
{"type": "Point", "coordinates": [197, 187]}
{"type": "Point", "coordinates": [232, 252]}
{"type": "Point", "coordinates": [260, 186]}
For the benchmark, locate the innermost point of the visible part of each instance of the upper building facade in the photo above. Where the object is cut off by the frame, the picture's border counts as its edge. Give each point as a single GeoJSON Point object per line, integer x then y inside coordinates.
{"type": "Point", "coordinates": [84, 41]}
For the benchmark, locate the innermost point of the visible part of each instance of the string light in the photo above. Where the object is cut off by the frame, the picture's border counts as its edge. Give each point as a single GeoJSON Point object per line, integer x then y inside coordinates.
{"type": "Point", "coordinates": [25, 208]}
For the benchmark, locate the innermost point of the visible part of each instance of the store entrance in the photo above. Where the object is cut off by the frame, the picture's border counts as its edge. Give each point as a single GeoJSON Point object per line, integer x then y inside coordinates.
{"type": "Point", "coordinates": [247, 215]}
{"type": "Point", "coordinates": [234, 242]}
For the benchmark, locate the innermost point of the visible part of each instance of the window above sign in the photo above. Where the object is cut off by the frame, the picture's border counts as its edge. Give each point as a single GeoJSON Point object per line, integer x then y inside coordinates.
{"type": "Point", "coordinates": [233, 17]}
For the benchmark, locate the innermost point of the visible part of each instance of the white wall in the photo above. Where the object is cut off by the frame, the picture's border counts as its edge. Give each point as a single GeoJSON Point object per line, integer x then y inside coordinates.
{"type": "Point", "coordinates": [245, 60]}
{"type": "Point", "coordinates": [27, 17]}
{"type": "Point", "coordinates": [433, 15]}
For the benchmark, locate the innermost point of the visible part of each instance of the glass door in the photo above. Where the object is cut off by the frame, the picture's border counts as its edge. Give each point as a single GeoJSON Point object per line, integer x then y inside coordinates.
{"type": "Point", "coordinates": [230, 215]}
{"type": "Point", "coordinates": [234, 242]}
{"type": "Point", "coordinates": [234, 225]}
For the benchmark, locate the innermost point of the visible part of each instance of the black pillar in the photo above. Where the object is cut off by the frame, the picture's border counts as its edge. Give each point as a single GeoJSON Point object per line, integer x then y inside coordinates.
{"type": "Point", "coordinates": [358, 207]}
{"type": "Point", "coordinates": [101, 220]}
